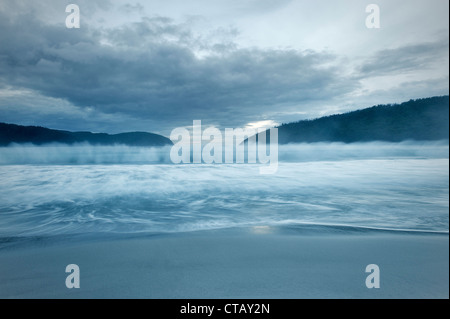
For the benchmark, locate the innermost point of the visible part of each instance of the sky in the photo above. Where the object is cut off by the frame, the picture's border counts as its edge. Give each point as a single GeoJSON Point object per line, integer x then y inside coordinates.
{"type": "Point", "coordinates": [156, 65]}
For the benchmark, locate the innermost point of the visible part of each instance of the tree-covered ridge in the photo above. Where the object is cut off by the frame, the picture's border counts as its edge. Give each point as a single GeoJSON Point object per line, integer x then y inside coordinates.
{"type": "Point", "coordinates": [422, 120]}
{"type": "Point", "coordinates": [11, 133]}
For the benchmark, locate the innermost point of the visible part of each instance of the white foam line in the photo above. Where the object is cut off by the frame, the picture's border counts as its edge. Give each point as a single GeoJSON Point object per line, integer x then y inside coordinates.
{"type": "Point", "coordinates": [291, 222]}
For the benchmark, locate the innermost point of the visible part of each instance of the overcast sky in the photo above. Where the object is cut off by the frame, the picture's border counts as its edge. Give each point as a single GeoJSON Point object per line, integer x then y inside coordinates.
{"type": "Point", "coordinates": [160, 64]}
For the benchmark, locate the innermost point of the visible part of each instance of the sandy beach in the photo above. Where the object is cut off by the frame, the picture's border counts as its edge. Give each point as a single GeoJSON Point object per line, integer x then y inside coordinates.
{"type": "Point", "coordinates": [257, 262]}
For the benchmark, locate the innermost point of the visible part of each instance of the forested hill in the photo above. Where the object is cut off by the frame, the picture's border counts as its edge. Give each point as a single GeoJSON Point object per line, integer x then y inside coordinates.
{"type": "Point", "coordinates": [11, 133]}
{"type": "Point", "coordinates": [422, 120]}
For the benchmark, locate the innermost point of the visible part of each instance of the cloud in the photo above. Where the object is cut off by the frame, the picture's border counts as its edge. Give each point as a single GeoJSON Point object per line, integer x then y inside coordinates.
{"type": "Point", "coordinates": [410, 58]}
{"type": "Point", "coordinates": [126, 69]}
{"type": "Point", "coordinates": [258, 6]}
{"type": "Point", "coordinates": [132, 8]}
{"type": "Point", "coordinates": [403, 92]}
{"type": "Point", "coordinates": [150, 70]}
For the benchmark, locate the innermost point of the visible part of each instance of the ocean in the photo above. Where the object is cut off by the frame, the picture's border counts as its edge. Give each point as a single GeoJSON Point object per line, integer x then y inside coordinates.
{"type": "Point", "coordinates": [398, 193]}
{"type": "Point", "coordinates": [159, 230]}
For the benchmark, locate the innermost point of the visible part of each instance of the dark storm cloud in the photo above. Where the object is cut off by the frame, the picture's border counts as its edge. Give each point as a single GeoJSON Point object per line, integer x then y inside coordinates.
{"type": "Point", "coordinates": [407, 58]}
{"type": "Point", "coordinates": [151, 70]}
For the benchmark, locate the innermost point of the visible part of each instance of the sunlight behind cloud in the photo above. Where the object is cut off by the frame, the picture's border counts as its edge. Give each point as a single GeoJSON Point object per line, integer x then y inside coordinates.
{"type": "Point", "coordinates": [262, 124]}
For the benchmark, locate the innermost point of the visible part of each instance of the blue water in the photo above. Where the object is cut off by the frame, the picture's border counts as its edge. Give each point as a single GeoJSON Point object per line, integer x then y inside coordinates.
{"type": "Point", "coordinates": [399, 193]}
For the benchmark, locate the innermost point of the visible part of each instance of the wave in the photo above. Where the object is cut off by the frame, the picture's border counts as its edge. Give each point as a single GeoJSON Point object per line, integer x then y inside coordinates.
{"type": "Point", "coordinates": [355, 229]}
{"type": "Point", "coordinates": [86, 154]}
{"type": "Point", "coordinates": [388, 195]}
{"type": "Point", "coordinates": [82, 154]}
{"type": "Point", "coordinates": [286, 228]}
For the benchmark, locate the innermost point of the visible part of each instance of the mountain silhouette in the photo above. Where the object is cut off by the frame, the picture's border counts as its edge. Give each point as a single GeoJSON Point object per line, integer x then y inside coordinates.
{"type": "Point", "coordinates": [12, 133]}
{"type": "Point", "coordinates": [421, 120]}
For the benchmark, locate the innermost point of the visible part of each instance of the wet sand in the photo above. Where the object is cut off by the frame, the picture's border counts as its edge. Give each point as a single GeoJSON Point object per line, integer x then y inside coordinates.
{"type": "Point", "coordinates": [257, 262]}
